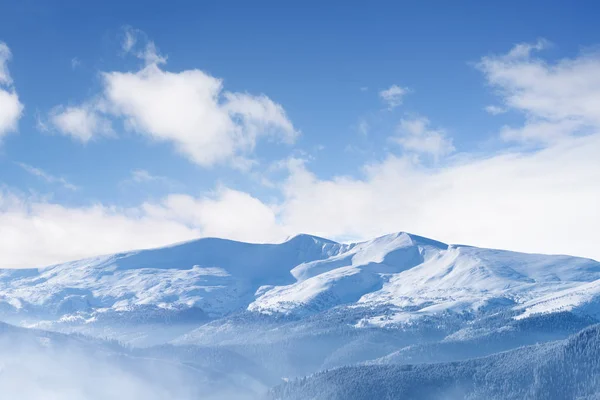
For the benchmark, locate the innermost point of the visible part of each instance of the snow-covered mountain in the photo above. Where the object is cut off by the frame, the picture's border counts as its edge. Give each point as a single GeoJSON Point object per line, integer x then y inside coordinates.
{"type": "Point", "coordinates": [212, 278]}
{"type": "Point", "coordinates": [294, 308]}
{"type": "Point", "coordinates": [561, 370]}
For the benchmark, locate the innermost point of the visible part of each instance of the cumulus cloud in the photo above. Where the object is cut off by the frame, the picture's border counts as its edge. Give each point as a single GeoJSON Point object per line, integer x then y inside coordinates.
{"type": "Point", "coordinates": [11, 109]}
{"type": "Point", "coordinates": [565, 92]}
{"type": "Point", "coordinates": [393, 96]}
{"type": "Point", "coordinates": [189, 109]}
{"type": "Point", "coordinates": [82, 123]}
{"type": "Point", "coordinates": [416, 135]}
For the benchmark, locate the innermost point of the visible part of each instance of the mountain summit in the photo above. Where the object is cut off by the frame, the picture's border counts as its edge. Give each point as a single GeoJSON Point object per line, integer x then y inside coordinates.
{"type": "Point", "coordinates": [413, 275]}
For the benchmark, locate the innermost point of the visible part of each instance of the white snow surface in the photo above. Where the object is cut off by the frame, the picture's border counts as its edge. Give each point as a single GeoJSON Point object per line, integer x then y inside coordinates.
{"type": "Point", "coordinates": [307, 274]}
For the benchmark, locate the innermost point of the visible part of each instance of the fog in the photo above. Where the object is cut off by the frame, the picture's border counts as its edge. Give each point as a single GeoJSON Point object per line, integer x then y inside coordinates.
{"type": "Point", "coordinates": [38, 367]}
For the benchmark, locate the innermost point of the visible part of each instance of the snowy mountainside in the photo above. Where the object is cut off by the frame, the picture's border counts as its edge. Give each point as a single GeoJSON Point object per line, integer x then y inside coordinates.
{"type": "Point", "coordinates": [560, 370]}
{"type": "Point", "coordinates": [213, 275]}
{"type": "Point", "coordinates": [248, 315]}
{"type": "Point", "coordinates": [409, 276]}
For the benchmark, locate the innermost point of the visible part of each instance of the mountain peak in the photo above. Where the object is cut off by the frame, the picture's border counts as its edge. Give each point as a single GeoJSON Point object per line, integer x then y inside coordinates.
{"type": "Point", "coordinates": [304, 237]}
{"type": "Point", "coordinates": [410, 238]}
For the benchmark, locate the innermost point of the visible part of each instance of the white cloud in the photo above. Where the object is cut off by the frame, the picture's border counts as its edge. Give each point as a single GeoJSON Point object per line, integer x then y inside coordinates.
{"type": "Point", "coordinates": [185, 109]}
{"type": "Point", "coordinates": [495, 110]}
{"type": "Point", "coordinates": [259, 115]}
{"type": "Point", "coordinates": [75, 63]}
{"type": "Point", "coordinates": [543, 201]}
{"type": "Point", "coordinates": [363, 127]}
{"type": "Point", "coordinates": [542, 131]}
{"type": "Point", "coordinates": [415, 135]}
{"type": "Point", "coordinates": [49, 178]}
{"type": "Point", "coordinates": [82, 123]}
{"type": "Point", "coordinates": [34, 232]}
{"type": "Point", "coordinates": [141, 175]}
{"type": "Point", "coordinates": [11, 109]}
{"type": "Point", "coordinates": [565, 92]}
{"type": "Point", "coordinates": [151, 55]}
{"type": "Point", "coordinates": [227, 213]}
{"type": "Point", "coordinates": [40, 123]}
{"type": "Point", "coordinates": [129, 39]}
{"type": "Point", "coordinates": [536, 201]}
{"type": "Point", "coordinates": [394, 95]}
{"type": "Point", "coordinates": [524, 50]}
{"type": "Point", "coordinates": [136, 42]}
{"type": "Point", "coordinates": [5, 56]}
{"type": "Point", "coordinates": [189, 109]}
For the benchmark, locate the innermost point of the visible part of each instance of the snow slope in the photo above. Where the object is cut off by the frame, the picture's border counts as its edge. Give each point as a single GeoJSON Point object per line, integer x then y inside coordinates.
{"type": "Point", "coordinates": [248, 315]}
{"type": "Point", "coordinates": [423, 277]}
{"type": "Point", "coordinates": [561, 370]}
{"type": "Point", "coordinates": [214, 275]}
{"type": "Point", "coordinates": [212, 278]}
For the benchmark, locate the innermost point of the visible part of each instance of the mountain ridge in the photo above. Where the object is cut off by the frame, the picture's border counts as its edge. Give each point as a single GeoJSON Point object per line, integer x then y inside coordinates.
{"type": "Point", "coordinates": [409, 277]}
{"type": "Point", "coordinates": [290, 309]}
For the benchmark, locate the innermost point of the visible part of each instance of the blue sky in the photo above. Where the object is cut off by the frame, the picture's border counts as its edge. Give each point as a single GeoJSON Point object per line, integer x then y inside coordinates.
{"type": "Point", "coordinates": [140, 125]}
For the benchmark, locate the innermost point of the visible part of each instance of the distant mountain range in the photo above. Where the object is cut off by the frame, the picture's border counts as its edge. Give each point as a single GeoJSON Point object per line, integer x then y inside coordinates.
{"type": "Point", "coordinates": [310, 304]}
{"type": "Point", "coordinates": [566, 369]}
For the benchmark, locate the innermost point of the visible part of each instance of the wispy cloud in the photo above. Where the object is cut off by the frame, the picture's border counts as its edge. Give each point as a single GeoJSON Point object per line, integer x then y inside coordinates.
{"type": "Point", "coordinates": [11, 109]}
{"type": "Point", "coordinates": [393, 96]}
{"type": "Point", "coordinates": [363, 127]}
{"type": "Point", "coordinates": [558, 99]}
{"type": "Point", "coordinates": [5, 56]}
{"type": "Point", "coordinates": [47, 177]}
{"type": "Point", "coordinates": [141, 176]}
{"type": "Point", "coordinates": [416, 135]}
{"type": "Point", "coordinates": [495, 110]}
{"type": "Point", "coordinates": [129, 39]}
{"type": "Point", "coordinates": [75, 63]}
